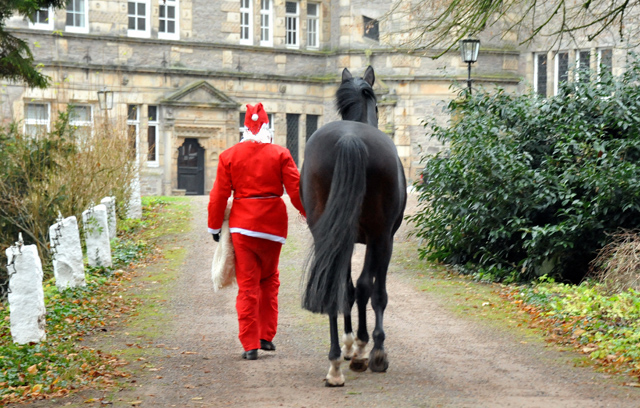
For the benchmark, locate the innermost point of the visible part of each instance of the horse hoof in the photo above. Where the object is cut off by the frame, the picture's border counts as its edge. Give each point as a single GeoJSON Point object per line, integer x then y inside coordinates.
{"type": "Point", "coordinates": [359, 365]}
{"type": "Point", "coordinates": [378, 362]}
{"type": "Point", "coordinates": [334, 382]}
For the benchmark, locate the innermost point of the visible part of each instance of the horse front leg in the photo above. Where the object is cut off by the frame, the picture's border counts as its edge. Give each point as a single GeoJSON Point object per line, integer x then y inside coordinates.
{"type": "Point", "coordinates": [348, 338]}
{"type": "Point", "coordinates": [334, 376]}
{"type": "Point", "coordinates": [378, 361]}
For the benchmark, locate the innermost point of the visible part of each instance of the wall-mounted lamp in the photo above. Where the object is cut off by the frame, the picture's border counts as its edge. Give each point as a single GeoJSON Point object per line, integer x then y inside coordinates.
{"type": "Point", "coordinates": [105, 99]}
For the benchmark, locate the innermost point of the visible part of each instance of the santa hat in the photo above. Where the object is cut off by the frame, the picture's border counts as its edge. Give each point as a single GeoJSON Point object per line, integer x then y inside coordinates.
{"type": "Point", "coordinates": [257, 123]}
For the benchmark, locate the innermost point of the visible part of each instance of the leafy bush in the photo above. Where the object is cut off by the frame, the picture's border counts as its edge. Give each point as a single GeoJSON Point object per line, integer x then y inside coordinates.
{"type": "Point", "coordinates": [64, 171]}
{"type": "Point", "coordinates": [532, 186]}
{"type": "Point", "coordinates": [604, 326]}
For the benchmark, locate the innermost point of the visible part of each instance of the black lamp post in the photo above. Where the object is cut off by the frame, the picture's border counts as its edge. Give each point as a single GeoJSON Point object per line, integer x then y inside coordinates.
{"type": "Point", "coordinates": [469, 48]}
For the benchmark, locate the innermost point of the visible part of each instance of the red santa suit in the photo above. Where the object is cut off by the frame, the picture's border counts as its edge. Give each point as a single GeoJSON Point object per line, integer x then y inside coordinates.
{"type": "Point", "coordinates": [256, 171]}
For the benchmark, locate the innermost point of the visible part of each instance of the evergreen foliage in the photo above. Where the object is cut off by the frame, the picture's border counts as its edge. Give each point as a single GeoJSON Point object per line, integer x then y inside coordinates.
{"type": "Point", "coordinates": [16, 59]}
{"type": "Point", "coordinates": [532, 186]}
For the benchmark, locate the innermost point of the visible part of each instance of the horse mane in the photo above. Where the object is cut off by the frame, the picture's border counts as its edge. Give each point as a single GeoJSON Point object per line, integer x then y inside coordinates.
{"type": "Point", "coordinates": [351, 98]}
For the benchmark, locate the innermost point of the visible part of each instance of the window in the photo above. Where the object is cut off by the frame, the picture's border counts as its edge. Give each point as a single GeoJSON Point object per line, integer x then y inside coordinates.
{"type": "Point", "coordinates": [36, 119]}
{"type": "Point", "coordinates": [605, 60]}
{"type": "Point", "coordinates": [152, 135]}
{"type": "Point", "coordinates": [540, 74]}
{"type": "Point", "coordinates": [243, 128]}
{"type": "Point", "coordinates": [133, 128]}
{"type": "Point", "coordinates": [371, 29]}
{"type": "Point", "coordinates": [313, 25]}
{"type": "Point", "coordinates": [77, 16]}
{"type": "Point", "coordinates": [81, 119]}
{"type": "Point", "coordinates": [168, 22]}
{"type": "Point", "coordinates": [293, 126]}
{"type": "Point", "coordinates": [312, 125]}
{"type": "Point", "coordinates": [583, 64]}
{"type": "Point", "coordinates": [292, 20]}
{"type": "Point", "coordinates": [42, 19]}
{"type": "Point", "coordinates": [561, 69]}
{"type": "Point", "coordinates": [138, 15]}
{"type": "Point", "coordinates": [246, 22]}
{"type": "Point", "coordinates": [266, 23]}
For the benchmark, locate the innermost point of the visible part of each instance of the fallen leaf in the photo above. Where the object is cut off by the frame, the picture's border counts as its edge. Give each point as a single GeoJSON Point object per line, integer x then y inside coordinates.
{"type": "Point", "coordinates": [633, 384]}
{"type": "Point", "coordinates": [36, 388]}
{"type": "Point", "coordinates": [33, 369]}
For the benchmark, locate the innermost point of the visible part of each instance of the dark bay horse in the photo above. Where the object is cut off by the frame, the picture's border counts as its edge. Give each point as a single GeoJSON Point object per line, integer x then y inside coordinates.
{"type": "Point", "coordinates": [353, 189]}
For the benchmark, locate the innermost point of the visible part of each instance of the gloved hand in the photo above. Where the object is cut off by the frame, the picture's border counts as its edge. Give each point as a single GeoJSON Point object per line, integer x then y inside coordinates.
{"type": "Point", "coordinates": [216, 237]}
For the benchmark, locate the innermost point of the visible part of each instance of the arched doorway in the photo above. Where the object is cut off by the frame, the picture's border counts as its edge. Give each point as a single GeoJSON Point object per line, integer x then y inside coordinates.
{"type": "Point", "coordinates": [191, 167]}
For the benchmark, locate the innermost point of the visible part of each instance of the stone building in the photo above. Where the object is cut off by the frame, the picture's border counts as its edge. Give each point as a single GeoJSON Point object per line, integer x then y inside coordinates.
{"type": "Point", "coordinates": [182, 71]}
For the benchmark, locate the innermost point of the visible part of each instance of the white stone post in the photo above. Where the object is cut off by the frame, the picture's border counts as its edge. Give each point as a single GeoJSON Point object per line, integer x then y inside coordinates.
{"type": "Point", "coordinates": [96, 230]}
{"type": "Point", "coordinates": [134, 209]}
{"type": "Point", "coordinates": [26, 296]}
{"type": "Point", "coordinates": [68, 266]}
{"type": "Point", "coordinates": [110, 203]}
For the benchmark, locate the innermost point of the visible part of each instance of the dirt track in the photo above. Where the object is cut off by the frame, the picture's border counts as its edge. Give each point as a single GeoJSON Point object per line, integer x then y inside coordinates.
{"type": "Point", "coordinates": [191, 355]}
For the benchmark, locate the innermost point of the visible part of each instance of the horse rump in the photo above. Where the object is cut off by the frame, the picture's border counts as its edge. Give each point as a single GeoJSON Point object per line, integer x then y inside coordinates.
{"type": "Point", "coordinates": [335, 232]}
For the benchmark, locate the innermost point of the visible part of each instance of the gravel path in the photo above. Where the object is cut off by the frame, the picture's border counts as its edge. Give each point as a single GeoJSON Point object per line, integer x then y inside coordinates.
{"type": "Point", "coordinates": [436, 359]}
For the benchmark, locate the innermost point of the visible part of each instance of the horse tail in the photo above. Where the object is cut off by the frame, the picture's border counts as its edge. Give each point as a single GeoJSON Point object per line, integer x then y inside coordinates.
{"type": "Point", "coordinates": [336, 230]}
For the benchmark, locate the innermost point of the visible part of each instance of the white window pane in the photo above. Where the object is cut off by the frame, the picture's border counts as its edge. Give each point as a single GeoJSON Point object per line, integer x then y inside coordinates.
{"type": "Point", "coordinates": [37, 111]}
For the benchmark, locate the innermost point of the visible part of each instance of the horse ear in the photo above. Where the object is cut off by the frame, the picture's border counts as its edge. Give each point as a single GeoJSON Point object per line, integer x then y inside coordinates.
{"type": "Point", "coordinates": [369, 76]}
{"type": "Point", "coordinates": [346, 75]}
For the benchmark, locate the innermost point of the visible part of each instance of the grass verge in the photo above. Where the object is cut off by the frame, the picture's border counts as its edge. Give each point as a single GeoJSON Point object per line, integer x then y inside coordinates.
{"type": "Point", "coordinates": [63, 364]}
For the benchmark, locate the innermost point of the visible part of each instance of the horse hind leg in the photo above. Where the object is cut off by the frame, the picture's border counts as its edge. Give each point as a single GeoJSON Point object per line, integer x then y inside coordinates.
{"type": "Point", "coordinates": [378, 361]}
{"type": "Point", "coordinates": [359, 362]}
{"type": "Point", "coordinates": [348, 338]}
{"type": "Point", "coordinates": [334, 378]}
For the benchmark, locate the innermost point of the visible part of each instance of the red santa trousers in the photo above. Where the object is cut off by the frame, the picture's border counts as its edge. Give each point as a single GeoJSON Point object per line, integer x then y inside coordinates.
{"type": "Point", "coordinates": [258, 284]}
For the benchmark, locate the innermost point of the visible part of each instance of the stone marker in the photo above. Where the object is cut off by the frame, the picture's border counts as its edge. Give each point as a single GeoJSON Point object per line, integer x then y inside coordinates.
{"type": "Point", "coordinates": [26, 296]}
{"type": "Point", "coordinates": [110, 203]}
{"type": "Point", "coordinates": [96, 232]}
{"type": "Point", "coordinates": [134, 210]}
{"type": "Point", "coordinates": [68, 266]}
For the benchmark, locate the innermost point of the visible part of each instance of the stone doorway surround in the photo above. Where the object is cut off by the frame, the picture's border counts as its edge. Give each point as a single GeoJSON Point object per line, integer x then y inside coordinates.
{"type": "Point", "coordinates": [197, 111]}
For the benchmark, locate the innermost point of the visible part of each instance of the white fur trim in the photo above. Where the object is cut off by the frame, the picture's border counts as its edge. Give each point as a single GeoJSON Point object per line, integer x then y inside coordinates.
{"type": "Point", "coordinates": [264, 135]}
{"type": "Point", "coordinates": [256, 234]}
{"type": "Point", "coordinates": [214, 231]}
{"type": "Point", "coordinates": [254, 117]}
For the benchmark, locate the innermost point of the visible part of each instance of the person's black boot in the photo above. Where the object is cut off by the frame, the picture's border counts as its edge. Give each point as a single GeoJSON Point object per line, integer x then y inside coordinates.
{"type": "Point", "coordinates": [250, 354]}
{"type": "Point", "coordinates": [267, 345]}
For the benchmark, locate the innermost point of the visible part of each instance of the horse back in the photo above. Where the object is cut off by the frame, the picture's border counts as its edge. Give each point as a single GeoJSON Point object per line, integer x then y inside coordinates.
{"type": "Point", "coordinates": [385, 195]}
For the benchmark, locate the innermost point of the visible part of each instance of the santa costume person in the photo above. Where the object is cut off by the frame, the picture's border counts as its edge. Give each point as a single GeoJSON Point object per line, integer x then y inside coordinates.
{"type": "Point", "coordinates": [257, 172]}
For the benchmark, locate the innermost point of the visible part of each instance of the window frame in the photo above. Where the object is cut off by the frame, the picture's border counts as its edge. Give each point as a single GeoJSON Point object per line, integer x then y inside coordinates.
{"type": "Point", "coordinates": [579, 63]}
{"type": "Point", "coordinates": [48, 25]}
{"type": "Point", "coordinates": [314, 20]}
{"type": "Point", "coordinates": [556, 69]}
{"type": "Point", "coordinates": [291, 17]}
{"type": "Point", "coordinates": [82, 123]}
{"type": "Point", "coordinates": [536, 72]}
{"type": "Point", "coordinates": [153, 123]}
{"type": "Point", "coordinates": [268, 14]}
{"type": "Point", "coordinates": [164, 35]}
{"type": "Point", "coordinates": [135, 123]}
{"type": "Point", "coordinates": [36, 121]}
{"type": "Point", "coordinates": [375, 28]}
{"type": "Point", "coordinates": [146, 33]}
{"type": "Point", "coordinates": [249, 25]}
{"type": "Point", "coordinates": [78, 29]}
{"type": "Point", "coordinates": [599, 60]}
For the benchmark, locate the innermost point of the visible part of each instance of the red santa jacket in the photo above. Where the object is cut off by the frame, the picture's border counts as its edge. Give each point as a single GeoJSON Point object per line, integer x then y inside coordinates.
{"type": "Point", "coordinates": [256, 173]}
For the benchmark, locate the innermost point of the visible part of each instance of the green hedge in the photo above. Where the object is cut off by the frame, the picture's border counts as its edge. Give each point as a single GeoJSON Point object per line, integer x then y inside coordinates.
{"type": "Point", "coordinates": [530, 186]}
